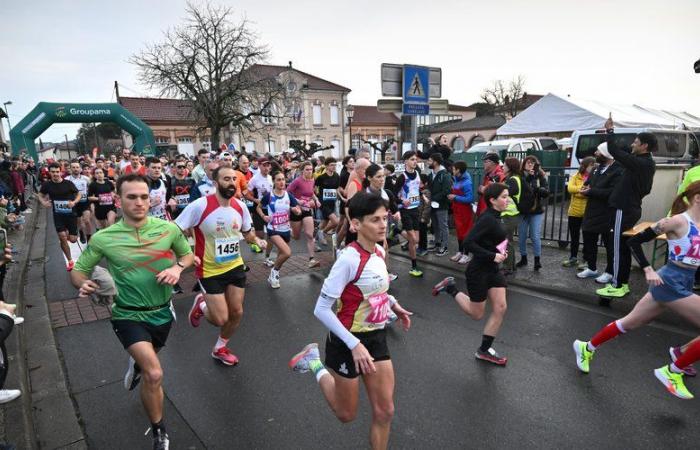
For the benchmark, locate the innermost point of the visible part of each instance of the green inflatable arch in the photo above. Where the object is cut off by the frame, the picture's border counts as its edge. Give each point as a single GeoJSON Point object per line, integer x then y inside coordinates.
{"type": "Point", "coordinates": [23, 135]}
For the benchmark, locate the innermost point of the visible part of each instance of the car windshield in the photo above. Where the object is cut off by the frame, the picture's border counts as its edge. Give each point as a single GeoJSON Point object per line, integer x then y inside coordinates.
{"type": "Point", "coordinates": [588, 143]}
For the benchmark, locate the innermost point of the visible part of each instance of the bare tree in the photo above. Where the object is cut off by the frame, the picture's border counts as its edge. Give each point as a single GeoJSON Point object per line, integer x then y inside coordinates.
{"type": "Point", "coordinates": [212, 62]}
{"type": "Point", "coordinates": [505, 97]}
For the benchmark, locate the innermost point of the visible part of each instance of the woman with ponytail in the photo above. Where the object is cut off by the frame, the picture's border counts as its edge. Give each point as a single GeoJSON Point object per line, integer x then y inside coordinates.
{"type": "Point", "coordinates": [669, 288]}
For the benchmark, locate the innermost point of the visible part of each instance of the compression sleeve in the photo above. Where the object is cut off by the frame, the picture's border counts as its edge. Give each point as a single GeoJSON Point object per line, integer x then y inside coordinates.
{"type": "Point", "coordinates": [324, 313]}
{"type": "Point", "coordinates": [635, 244]}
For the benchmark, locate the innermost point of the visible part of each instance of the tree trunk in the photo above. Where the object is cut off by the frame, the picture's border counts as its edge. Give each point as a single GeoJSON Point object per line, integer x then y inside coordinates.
{"type": "Point", "coordinates": [215, 132]}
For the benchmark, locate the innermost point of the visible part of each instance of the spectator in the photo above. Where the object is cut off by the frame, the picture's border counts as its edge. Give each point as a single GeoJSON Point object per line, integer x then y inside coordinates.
{"type": "Point", "coordinates": [531, 222]}
{"type": "Point", "coordinates": [493, 173]}
{"type": "Point", "coordinates": [626, 199]}
{"type": "Point", "coordinates": [511, 216]}
{"type": "Point", "coordinates": [199, 172]}
{"type": "Point", "coordinates": [440, 188]}
{"type": "Point", "coordinates": [424, 213]}
{"type": "Point", "coordinates": [390, 180]}
{"type": "Point", "coordinates": [577, 207]}
{"type": "Point", "coordinates": [440, 147]}
{"type": "Point", "coordinates": [462, 197]}
{"type": "Point", "coordinates": [598, 216]}
{"type": "Point", "coordinates": [7, 321]}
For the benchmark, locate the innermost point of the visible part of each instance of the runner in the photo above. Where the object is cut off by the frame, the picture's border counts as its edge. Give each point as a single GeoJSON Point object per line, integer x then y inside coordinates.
{"type": "Point", "coordinates": [408, 185]}
{"type": "Point", "coordinates": [669, 288]}
{"type": "Point", "coordinates": [62, 195]}
{"type": "Point", "coordinates": [181, 187]}
{"type": "Point", "coordinates": [101, 194]}
{"type": "Point", "coordinates": [206, 186]}
{"type": "Point", "coordinates": [159, 192]}
{"type": "Point", "coordinates": [356, 345]}
{"type": "Point", "coordinates": [219, 221]}
{"type": "Point", "coordinates": [274, 209]}
{"type": "Point", "coordinates": [374, 184]}
{"type": "Point", "coordinates": [348, 167]}
{"type": "Point", "coordinates": [302, 189]}
{"type": "Point", "coordinates": [146, 256]}
{"type": "Point", "coordinates": [82, 208]}
{"type": "Point", "coordinates": [354, 186]}
{"type": "Point", "coordinates": [243, 177]}
{"type": "Point", "coordinates": [327, 185]}
{"type": "Point", "coordinates": [487, 242]}
{"type": "Point", "coordinates": [259, 185]}
{"type": "Point", "coordinates": [135, 165]}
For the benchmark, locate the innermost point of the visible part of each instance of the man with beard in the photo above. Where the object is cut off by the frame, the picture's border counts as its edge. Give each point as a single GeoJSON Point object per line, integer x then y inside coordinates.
{"type": "Point", "coordinates": [220, 221]}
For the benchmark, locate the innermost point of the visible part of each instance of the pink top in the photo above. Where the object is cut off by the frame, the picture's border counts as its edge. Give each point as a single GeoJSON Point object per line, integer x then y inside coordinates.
{"type": "Point", "coordinates": [303, 191]}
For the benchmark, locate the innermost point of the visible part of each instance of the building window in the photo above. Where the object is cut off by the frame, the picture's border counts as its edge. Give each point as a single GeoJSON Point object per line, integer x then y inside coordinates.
{"type": "Point", "coordinates": [356, 141]}
{"type": "Point", "coordinates": [458, 144]}
{"type": "Point", "coordinates": [184, 140]}
{"type": "Point", "coordinates": [388, 136]}
{"type": "Point", "coordinates": [162, 140]}
{"type": "Point", "coordinates": [249, 146]}
{"type": "Point", "coordinates": [477, 139]}
{"type": "Point", "coordinates": [373, 138]}
{"type": "Point", "coordinates": [335, 151]}
{"type": "Point", "coordinates": [335, 117]}
{"type": "Point", "coordinates": [317, 115]}
{"type": "Point", "coordinates": [318, 142]}
{"type": "Point", "coordinates": [206, 145]}
{"type": "Point", "coordinates": [270, 146]}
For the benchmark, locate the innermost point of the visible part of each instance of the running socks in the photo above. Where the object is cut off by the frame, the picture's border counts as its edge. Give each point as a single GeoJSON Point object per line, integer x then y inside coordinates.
{"type": "Point", "coordinates": [317, 368]}
{"type": "Point", "coordinates": [610, 331]}
{"type": "Point", "coordinates": [160, 426]}
{"type": "Point", "coordinates": [220, 342]}
{"type": "Point", "coordinates": [688, 357]}
{"type": "Point", "coordinates": [486, 341]}
{"type": "Point", "coordinates": [414, 264]}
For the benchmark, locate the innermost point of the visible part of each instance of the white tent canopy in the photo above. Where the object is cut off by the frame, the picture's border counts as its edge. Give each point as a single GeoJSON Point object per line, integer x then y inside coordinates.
{"type": "Point", "coordinates": [553, 113]}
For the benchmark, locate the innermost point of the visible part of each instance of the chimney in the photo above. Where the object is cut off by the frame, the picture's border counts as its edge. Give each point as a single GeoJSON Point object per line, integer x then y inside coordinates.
{"type": "Point", "coordinates": [290, 64]}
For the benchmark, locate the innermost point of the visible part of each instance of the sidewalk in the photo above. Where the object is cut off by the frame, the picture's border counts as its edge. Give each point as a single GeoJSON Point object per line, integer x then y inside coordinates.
{"type": "Point", "coordinates": [553, 278]}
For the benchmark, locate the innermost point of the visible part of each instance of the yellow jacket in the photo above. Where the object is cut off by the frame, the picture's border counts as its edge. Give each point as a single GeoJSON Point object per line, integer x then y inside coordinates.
{"type": "Point", "coordinates": [578, 202]}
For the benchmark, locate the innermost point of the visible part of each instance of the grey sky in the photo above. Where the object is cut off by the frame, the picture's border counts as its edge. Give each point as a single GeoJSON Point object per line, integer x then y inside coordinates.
{"type": "Point", "coordinates": [627, 51]}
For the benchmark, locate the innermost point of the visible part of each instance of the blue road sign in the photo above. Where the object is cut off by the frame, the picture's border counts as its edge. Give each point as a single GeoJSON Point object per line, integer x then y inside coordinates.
{"type": "Point", "coordinates": [231, 147]}
{"type": "Point", "coordinates": [415, 84]}
{"type": "Point", "coordinates": [416, 109]}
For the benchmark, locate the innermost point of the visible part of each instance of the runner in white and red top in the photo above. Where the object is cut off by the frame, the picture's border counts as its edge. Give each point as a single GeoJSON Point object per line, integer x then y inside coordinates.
{"type": "Point", "coordinates": [356, 345]}
{"type": "Point", "coordinates": [219, 221]}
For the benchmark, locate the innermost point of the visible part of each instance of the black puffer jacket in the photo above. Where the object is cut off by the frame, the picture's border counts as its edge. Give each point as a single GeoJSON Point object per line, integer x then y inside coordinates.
{"type": "Point", "coordinates": [598, 214]}
{"type": "Point", "coordinates": [540, 189]}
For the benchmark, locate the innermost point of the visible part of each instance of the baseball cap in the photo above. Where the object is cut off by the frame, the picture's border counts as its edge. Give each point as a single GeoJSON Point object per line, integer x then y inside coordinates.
{"type": "Point", "coordinates": [493, 157]}
{"type": "Point", "coordinates": [263, 160]}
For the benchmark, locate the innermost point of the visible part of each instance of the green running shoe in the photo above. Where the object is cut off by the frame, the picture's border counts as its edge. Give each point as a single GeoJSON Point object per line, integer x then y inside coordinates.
{"type": "Point", "coordinates": [583, 355]}
{"type": "Point", "coordinates": [611, 291]}
{"type": "Point", "coordinates": [416, 272]}
{"type": "Point", "coordinates": [673, 382]}
{"type": "Point", "coordinates": [626, 287]}
{"type": "Point", "coordinates": [255, 248]}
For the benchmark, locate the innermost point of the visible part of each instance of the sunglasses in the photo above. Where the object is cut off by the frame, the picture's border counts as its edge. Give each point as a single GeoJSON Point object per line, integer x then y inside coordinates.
{"type": "Point", "coordinates": [180, 167]}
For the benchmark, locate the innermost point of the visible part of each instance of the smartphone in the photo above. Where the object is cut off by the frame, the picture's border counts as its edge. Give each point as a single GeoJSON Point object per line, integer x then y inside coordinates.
{"type": "Point", "coordinates": [3, 240]}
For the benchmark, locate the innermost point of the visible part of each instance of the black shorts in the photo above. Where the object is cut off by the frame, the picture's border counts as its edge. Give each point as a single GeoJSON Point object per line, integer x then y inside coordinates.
{"type": "Point", "coordinates": [101, 211]}
{"type": "Point", "coordinates": [410, 219]}
{"type": "Point", "coordinates": [481, 278]}
{"type": "Point", "coordinates": [285, 235]}
{"type": "Point", "coordinates": [130, 332]}
{"type": "Point", "coordinates": [217, 284]}
{"type": "Point", "coordinates": [258, 222]}
{"type": "Point", "coordinates": [66, 222]}
{"type": "Point", "coordinates": [327, 208]}
{"type": "Point", "coordinates": [81, 207]}
{"type": "Point", "coordinates": [339, 356]}
{"type": "Point", "coordinates": [304, 213]}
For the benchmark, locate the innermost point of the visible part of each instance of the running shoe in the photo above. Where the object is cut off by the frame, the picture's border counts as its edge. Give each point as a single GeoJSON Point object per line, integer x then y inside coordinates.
{"type": "Point", "coordinates": [464, 259]}
{"type": "Point", "coordinates": [224, 355]}
{"type": "Point", "coordinates": [7, 395]}
{"type": "Point", "coordinates": [582, 265]}
{"type": "Point", "coordinates": [70, 265]}
{"type": "Point", "coordinates": [300, 361]}
{"type": "Point", "coordinates": [177, 289]}
{"type": "Point", "coordinates": [583, 355]}
{"type": "Point", "coordinates": [255, 248]}
{"type": "Point", "coordinates": [441, 252]}
{"type": "Point", "coordinates": [604, 279]}
{"type": "Point", "coordinates": [444, 284]}
{"type": "Point", "coordinates": [457, 256]}
{"type": "Point", "coordinates": [160, 440]}
{"type": "Point", "coordinates": [313, 262]}
{"type": "Point", "coordinates": [132, 376]}
{"type": "Point", "coordinates": [675, 353]}
{"type": "Point", "coordinates": [415, 272]}
{"type": "Point", "coordinates": [673, 382]}
{"type": "Point", "coordinates": [404, 246]}
{"type": "Point", "coordinates": [393, 276]}
{"type": "Point", "coordinates": [274, 279]}
{"type": "Point", "coordinates": [196, 312]}
{"type": "Point", "coordinates": [588, 273]}
{"type": "Point", "coordinates": [571, 262]}
{"type": "Point", "coordinates": [268, 262]}
{"type": "Point", "coordinates": [422, 252]}
{"type": "Point", "coordinates": [491, 356]}
{"type": "Point", "coordinates": [611, 291]}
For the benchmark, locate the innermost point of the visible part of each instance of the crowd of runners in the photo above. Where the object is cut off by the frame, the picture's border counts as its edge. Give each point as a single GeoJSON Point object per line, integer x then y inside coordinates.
{"type": "Point", "coordinates": [152, 218]}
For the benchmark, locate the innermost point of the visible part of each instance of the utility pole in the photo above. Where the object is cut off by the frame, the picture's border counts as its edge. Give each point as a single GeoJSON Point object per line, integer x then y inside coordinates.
{"type": "Point", "coordinates": [116, 89]}
{"type": "Point", "coordinates": [67, 147]}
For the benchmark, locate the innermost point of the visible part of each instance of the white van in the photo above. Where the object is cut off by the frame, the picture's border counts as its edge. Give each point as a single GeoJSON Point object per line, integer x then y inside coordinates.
{"type": "Point", "coordinates": [674, 145]}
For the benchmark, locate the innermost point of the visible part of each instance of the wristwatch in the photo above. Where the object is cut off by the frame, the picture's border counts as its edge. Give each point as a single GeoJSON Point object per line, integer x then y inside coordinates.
{"type": "Point", "coordinates": [182, 266]}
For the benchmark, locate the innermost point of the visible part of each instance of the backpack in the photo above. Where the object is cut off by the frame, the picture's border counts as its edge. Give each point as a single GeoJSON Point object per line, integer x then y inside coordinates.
{"type": "Point", "coordinates": [525, 200]}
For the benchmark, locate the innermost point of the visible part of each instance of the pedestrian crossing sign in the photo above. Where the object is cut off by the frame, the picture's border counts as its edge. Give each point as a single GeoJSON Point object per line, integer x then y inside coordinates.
{"type": "Point", "coordinates": [415, 84]}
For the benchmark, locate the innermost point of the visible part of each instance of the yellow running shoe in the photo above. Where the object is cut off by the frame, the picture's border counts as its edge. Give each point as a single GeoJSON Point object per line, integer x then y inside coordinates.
{"type": "Point", "coordinates": [673, 382]}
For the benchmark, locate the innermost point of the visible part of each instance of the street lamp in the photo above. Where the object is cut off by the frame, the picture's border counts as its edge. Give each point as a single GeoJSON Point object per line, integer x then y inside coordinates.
{"type": "Point", "coordinates": [349, 113]}
{"type": "Point", "coordinates": [7, 113]}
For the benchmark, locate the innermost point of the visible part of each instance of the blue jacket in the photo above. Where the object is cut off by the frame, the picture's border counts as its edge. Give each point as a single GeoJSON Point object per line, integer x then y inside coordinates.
{"type": "Point", "coordinates": [463, 184]}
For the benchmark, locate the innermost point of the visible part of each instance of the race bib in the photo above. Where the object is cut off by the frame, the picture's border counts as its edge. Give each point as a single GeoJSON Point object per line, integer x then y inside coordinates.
{"type": "Point", "coordinates": [280, 220]}
{"type": "Point", "coordinates": [182, 200]}
{"type": "Point", "coordinates": [249, 203]}
{"type": "Point", "coordinates": [106, 199]}
{"type": "Point", "coordinates": [158, 212]}
{"type": "Point", "coordinates": [226, 249]}
{"type": "Point", "coordinates": [330, 194]}
{"type": "Point", "coordinates": [692, 257]}
{"type": "Point", "coordinates": [414, 201]}
{"type": "Point", "coordinates": [379, 308]}
{"type": "Point", "coordinates": [62, 207]}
